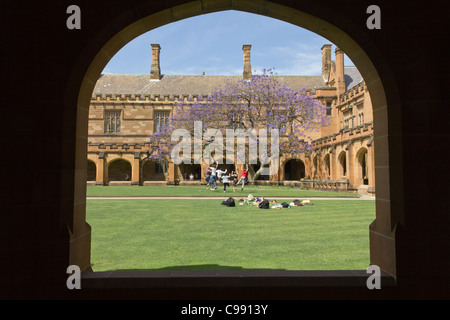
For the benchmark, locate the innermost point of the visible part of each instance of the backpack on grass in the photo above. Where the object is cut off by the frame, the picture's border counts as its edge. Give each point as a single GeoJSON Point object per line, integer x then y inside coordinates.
{"type": "Point", "coordinates": [229, 202]}
{"type": "Point", "coordinates": [264, 204]}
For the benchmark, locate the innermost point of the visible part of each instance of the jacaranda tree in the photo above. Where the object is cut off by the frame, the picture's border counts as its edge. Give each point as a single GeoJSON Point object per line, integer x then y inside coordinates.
{"type": "Point", "coordinates": [246, 107]}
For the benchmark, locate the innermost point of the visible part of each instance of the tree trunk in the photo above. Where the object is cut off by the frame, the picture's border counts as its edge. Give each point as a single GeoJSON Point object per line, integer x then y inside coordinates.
{"type": "Point", "coordinates": [258, 173]}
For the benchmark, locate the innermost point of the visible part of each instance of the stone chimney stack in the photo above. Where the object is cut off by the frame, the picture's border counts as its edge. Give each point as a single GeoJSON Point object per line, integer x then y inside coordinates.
{"type": "Point", "coordinates": [326, 61]}
{"type": "Point", "coordinates": [247, 66]}
{"type": "Point", "coordinates": [155, 71]}
{"type": "Point", "coordinates": [340, 79]}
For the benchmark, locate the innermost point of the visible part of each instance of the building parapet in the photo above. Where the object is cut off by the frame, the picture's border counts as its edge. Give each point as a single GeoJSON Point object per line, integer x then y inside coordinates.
{"type": "Point", "coordinates": [345, 134]}
{"type": "Point", "coordinates": [353, 93]}
{"type": "Point", "coordinates": [145, 97]}
{"type": "Point", "coordinates": [125, 147]}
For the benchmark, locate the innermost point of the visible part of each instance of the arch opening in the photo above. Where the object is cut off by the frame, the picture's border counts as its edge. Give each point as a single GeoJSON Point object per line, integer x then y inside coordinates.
{"type": "Point", "coordinates": [294, 169]}
{"type": "Point", "coordinates": [327, 162]}
{"type": "Point", "coordinates": [386, 260]}
{"type": "Point", "coordinates": [153, 171]}
{"type": "Point", "coordinates": [119, 170]}
{"type": "Point", "coordinates": [342, 164]}
{"type": "Point", "coordinates": [91, 171]}
{"type": "Point", "coordinates": [363, 166]}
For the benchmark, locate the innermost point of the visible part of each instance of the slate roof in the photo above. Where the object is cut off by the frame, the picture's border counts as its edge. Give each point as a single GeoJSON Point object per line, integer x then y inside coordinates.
{"type": "Point", "coordinates": [352, 77]}
{"type": "Point", "coordinates": [185, 84]}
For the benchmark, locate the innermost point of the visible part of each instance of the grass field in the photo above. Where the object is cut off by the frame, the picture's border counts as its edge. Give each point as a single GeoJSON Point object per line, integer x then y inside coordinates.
{"type": "Point", "coordinates": [192, 191]}
{"type": "Point", "coordinates": [205, 235]}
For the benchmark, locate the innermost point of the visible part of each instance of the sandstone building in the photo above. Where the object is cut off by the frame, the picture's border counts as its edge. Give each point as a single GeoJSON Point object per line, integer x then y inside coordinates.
{"type": "Point", "coordinates": [126, 109]}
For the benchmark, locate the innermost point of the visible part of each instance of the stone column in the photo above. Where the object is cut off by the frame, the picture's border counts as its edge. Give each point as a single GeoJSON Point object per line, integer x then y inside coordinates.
{"type": "Point", "coordinates": [371, 165]}
{"type": "Point", "coordinates": [333, 164]}
{"type": "Point", "coordinates": [350, 164]}
{"type": "Point", "coordinates": [100, 174]}
{"type": "Point", "coordinates": [135, 169]}
{"type": "Point", "coordinates": [172, 173]}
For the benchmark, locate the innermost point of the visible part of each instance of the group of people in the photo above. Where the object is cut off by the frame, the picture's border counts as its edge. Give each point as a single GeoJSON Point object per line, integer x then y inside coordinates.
{"type": "Point", "coordinates": [213, 175]}
{"type": "Point", "coordinates": [192, 176]}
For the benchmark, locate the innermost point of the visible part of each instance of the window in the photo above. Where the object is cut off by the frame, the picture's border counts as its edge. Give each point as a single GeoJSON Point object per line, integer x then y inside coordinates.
{"type": "Point", "coordinates": [161, 120]}
{"type": "Point", "coordinates": [329, 108]}
{"type": "Point", "coordinates": [236, 122]}
{"type": "Point", "coordinates": [112, 121]}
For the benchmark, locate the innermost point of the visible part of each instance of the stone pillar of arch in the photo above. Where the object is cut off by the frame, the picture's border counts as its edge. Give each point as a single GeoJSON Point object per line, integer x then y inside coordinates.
{"type": "Point", "coordinates": [371, 165]}
{"type": "Point", "coordinates": [333, 166]}
{"type": "Point", "coordinates": [135, 170]}
{"type": "Point", "coordinates": [100, 175]}
{"type": "Point", "coordinates": [172, 172]}
{"type": "Point", "coordinates": [350, 163]}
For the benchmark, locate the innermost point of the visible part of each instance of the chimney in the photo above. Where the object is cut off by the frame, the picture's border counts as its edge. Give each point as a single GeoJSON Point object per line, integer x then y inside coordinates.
{"type": "Point", "coordinates": [247, 67]}
{"type": "Point", "coordinates": [326, 61]}
{"type": "Point", "coordinates": [340, 80]}
{"type": "Point", "coordinates": [155, 71]}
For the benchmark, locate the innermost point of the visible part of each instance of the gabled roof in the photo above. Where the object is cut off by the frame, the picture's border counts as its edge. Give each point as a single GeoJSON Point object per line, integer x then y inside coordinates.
{"type": "Point", "coordinates": [185, 84]}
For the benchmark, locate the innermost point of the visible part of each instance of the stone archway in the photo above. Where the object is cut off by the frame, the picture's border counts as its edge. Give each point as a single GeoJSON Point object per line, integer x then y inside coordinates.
{"type": "Point", "coordinates": [152, 171]}
{"type": "Point", "coordinates": [91, 171]}
{"type": "Point", "coordinates": [186, 170]}
{"type": "Point", "coordinates": [294, 169]}
{"type": "Point", "coordinates": [327, 163]}
{"type": "Point", "coordinates": [130, 26]}
{"type": "Point", "coordinates": [119, 170]}
{"type": "Point", "coordinates": [342, 158]}
{"type": "Point", "coordinates": [362, 174]}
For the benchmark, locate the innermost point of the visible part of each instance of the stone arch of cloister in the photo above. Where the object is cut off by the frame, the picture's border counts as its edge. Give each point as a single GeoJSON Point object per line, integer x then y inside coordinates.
{"type": "Point", "coordinates": [129, 26]}
{"type": "Point", "coordinates": [44, 225]}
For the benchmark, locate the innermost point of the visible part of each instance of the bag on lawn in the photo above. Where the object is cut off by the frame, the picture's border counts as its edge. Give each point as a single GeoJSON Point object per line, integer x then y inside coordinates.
{"type": "Point", "coordinates": [229, 202]}
{"type": "Point", "coordinates": [264, 204]}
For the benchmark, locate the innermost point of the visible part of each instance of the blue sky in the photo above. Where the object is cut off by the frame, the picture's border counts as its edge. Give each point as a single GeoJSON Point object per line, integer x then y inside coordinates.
{"type": "Point", "coordinates": [212, 43]}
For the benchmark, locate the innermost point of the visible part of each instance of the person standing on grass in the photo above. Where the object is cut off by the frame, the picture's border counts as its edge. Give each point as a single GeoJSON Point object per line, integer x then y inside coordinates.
{"type": "Point", "coordinates": [233, 177]}
{"type": "Point", "coordinates": [244, 177]}
{"type": "Point", "coordinates": [213, 180]}
{"type": "Point", "coordinates": [208, 177]}
{"type": "Point", "coordinates": [226, 182]}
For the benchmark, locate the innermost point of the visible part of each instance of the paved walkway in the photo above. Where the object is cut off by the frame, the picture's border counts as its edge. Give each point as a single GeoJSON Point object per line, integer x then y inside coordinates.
{"type": "Point", "coordinates": [227, 195]}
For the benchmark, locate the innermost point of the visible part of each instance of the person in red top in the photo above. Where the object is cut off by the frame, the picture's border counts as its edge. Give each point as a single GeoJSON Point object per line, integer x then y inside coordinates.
{"type": "Point", "coordinates": [244, 177]}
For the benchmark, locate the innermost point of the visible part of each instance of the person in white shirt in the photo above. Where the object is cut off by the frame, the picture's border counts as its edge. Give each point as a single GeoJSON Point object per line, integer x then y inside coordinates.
{"type": "Point", "coordinates": [213, 180]}
{"type": "Point", "coordinates": [219, 173]}
{"type": "Point", "coordinates": [226, 182]}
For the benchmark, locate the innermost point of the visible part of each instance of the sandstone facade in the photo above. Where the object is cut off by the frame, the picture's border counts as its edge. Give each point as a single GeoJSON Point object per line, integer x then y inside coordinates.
{"type": "Point", "coordinates": [126, 109]}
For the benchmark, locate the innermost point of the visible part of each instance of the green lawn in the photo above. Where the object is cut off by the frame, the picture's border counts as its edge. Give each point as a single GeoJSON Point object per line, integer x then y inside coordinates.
{"type": "Point", "coordinates": [267, 191]}
{"type": "Point", "coordinates": [205, 235]}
